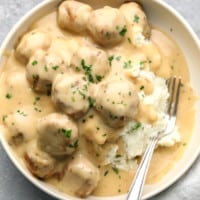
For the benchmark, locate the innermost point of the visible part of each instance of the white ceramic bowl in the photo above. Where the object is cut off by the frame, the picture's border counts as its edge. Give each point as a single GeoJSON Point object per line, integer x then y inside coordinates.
{"type": "Point", "coordinates": [161, 15]}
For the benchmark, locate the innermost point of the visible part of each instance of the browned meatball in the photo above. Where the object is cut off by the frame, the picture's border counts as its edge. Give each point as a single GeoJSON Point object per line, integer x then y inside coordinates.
{"type": "Point", "coordinates": [70, 93]}
{"type": "Point", "coordinates": [117, 102]}
{"type": "Point", "coordinates": [84, 169]}
{"type": "Point", "coordinates": [73, 15]}
{"type": "Point", "coordinates": [107, 26]}
{"type": "Point", "coordinates": [42, 69]}
{"type": "Point", "coordinates": [31, 42]}
{"type": "Point", "coordinates": [136, 17]}
{"type": "Point", "coordinates": [92, 62]}
{"type": "Point", "coordinates": [38, 162]}
{"type": "Point", "coordinates": [57, 134]}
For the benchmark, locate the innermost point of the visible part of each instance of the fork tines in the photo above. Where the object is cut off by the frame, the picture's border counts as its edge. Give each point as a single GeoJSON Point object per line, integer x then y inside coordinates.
{"type": "Point", "coordinates": [174, 85]}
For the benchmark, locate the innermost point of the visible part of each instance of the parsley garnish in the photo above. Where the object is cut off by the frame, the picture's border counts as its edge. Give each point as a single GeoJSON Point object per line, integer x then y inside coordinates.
{"type": "Point", "coordinates": [4, 118]}
{"type": "Point", "coordinates": [8, 96]}
{"type": "Point", "coordinates": [45, 68]}
{"type": "Point", "coordinates": [116, 170]}
{"type": "Point", "coordinates": [99, 78]}
{"type": "Point", "coordinates": [137, 126]}
{"type": "Point", "coordinates": [136, 19]}
{"type": "Point", "coordinates": [91, 101]}
{"type": "Point", "coordinates": [123, 31]}
{"type": "Point", "coordinates": [127, 65]}
{"type": "Point", "coordinates": [106, 173]}
{"type": "Point", "coordinates": [88, 71]}
{"type": "Point", "coordinates": [110, 59]}
{"type": "Point", "coordinates": [142, 87]}
{"type": "Point", "coordinates": [35, 62]}
{"type": "Point", "coordinates": [55, 67]}
{"type": "Point", "coordinates": [73, 145]}
{"type": "Point", "coordinates": [21, 113]}
{"type": "Point", "coordinates": [67, 132]}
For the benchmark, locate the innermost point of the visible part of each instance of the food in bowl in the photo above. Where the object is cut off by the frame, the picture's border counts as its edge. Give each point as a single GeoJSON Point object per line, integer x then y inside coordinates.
{"type": "Point", "coordinates": [83, 95]}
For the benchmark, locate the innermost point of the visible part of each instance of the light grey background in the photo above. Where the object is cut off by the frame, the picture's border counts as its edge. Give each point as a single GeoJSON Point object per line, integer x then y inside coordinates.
{"type": "Point", "coordinates": [13, 186]}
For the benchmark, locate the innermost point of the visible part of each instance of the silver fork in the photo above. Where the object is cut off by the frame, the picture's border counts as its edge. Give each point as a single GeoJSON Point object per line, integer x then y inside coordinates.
{"type": "Point", "coordinates": [136, 188]}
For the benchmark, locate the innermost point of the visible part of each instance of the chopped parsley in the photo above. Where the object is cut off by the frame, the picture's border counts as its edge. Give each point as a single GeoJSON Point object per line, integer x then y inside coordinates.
{"type": "Point", "coordinates": [4, 118]}
{"type": "Point", "coordinates": [142, 62]}
{"type": "Point", "coordinates": [129, 93]}
{"type": "Point", "coordinates": [129, 40]}
{"type": "Point", "coordinates": [116, 170]}
{"type": "Point", "coordinates": [8, 96]}
{"type": "Point", "coordinates": [67, 132]}
{"type": "Point", "coordinates": [91, 101]}
{"type": "Point", "coordinates": [118, 58]}
{"type": "Point", "coordinates": [55, 67]}
{"type": "Point", "coordinates": [136, 19]}
{"type": "Point", "coordinates": [110, 59]}
{"type": "Point", "coordinates": [37, 109]}
{"type": "Point", "coordinates": [88, 71]}
{"type": "Point", "coordinates": [35, 62]}
{"type": "Point", "coordinates": [123, 31]}
{"type": "Point", "coordinates": [21, 113]}
{"type": "Point", "coordinates": [142, 87]}
{"type": "Point", "coordinates": [82, 94]}
{"type": "Point", "coordinates": [36, 100]}
{"type": "Point", "coordinates": [106, 173]}
{"type": "Point", "coordinates": [128, 64]}
{"type": "Point", "coordinates": [78, 69]}
{"type": "Point", "coordinates": [99, 78]}
{"type": "Point", "coordinates": [74, 145]}
{"type": "Point", "coordinates": [136, 127]}
{"type": "Point", "coordinates": [45, 68]}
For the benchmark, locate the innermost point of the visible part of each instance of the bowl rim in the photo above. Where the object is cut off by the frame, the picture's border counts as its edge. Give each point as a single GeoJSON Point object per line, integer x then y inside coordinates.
{"type": "Point", "coordinates": [18, 164]}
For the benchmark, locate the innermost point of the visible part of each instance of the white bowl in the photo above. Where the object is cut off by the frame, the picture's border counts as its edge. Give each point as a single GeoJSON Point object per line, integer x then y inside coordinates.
{"type": "Point", "coordinates": [161, 15]}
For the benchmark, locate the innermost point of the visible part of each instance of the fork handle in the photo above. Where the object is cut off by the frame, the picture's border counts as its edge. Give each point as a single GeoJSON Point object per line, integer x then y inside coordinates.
{"type": "Point", "coordinates": [135, 191]}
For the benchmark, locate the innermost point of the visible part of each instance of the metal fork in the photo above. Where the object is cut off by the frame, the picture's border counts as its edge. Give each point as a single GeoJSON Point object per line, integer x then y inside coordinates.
{"type": "Point", "coordinates": [136, 188]}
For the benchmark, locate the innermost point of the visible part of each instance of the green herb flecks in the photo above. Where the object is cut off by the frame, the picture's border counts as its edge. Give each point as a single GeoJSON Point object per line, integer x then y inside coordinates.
{"type": "Point", "coordinates": [35, 62]}
{"type": "Point", "coordinates": [116, 170]}
{"type": "Point", "coordinates": [106, 173]}
{"type": "Point", "coordinates": [128, 64]}
{"type": "Point", "coordinates": [91, 102]}
{"type": "Point", "coordinates": [67, 132]}
{"type": "Point", "coordinates": [88, 71]}
{"type": "Point", "coordinates": [136, 19]}
{"type": "Point", "coordinates": [8, 96]}
{"type": "Point", "coordinates": [22, 113]}
{"type": "Point", "coordinates": [74, 145]}
{"type": "Point", "coordinates": [110, 59]}
{"type": "Point", "coordinates": [122, 31]}
{"type": "Point", "coordinates": [55, 67]}
{"type": "Point", "coordinates": [136, 127]}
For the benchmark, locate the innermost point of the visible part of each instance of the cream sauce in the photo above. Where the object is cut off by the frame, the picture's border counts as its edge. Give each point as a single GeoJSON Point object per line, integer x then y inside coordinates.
{"type": "Point", "coordinates": [17, 96]}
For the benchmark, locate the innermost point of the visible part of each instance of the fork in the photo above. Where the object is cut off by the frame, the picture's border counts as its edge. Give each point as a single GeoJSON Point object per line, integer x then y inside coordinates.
{"type": "Point", "coordinates": [136, 188]}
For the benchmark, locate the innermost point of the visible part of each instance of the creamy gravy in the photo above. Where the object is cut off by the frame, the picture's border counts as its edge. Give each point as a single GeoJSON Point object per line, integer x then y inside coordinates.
{"type": "Point", "coordinates": [17, 96]}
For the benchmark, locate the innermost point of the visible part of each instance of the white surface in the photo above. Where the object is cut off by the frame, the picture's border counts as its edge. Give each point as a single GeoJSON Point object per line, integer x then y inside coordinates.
{"type": "Point", "coordinates": [13, 185]}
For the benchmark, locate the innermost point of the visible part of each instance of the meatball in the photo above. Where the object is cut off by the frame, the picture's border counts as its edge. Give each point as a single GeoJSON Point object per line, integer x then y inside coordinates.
{"type": "Point", "coordinates": [57, 134]}
{"type": "Point", "coordinates": [63, 48]}
{"type": "Point", "coordinates": [18, 124]}
{"type": "Point", "coordinates": [117, 101]}
{"type": "Point", "coordinates": [70, 93]}
{"type": "Point", "coordinates": [107, 26]}
{"type": "Point", "coordinates": [42, 68]}
{"type": "Point", "coordinates": [30, 42]}
{"type": "Point", "coordinates": [73, 15]}
{"type": "Point", "coordinates": [38, 162]}
{"type": "Point", "coordinates": [136, 17]}
{"type": "Point", "coordinates": [93, 62]}
{"type": "Point", "coordinates": [84, 169]}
